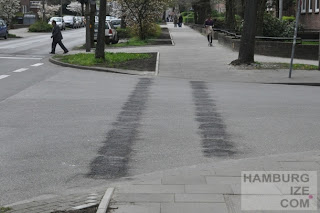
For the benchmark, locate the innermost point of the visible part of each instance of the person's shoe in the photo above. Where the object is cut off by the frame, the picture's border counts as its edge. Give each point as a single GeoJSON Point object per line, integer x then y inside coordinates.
{"type": "Point", "coordinates": [51, 53]}
{"type": "Point", "coordinates": [210, 44]}
{"type": "Point", "coordinates": [65, 52]}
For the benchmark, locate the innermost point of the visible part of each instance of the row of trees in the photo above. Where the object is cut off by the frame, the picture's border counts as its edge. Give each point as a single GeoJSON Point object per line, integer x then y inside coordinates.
{"type": "Point", "coordinates": [9, 8]}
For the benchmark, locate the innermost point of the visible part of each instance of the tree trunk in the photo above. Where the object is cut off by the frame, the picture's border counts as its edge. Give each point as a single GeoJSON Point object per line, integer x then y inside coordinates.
{"type": "Point", "coordinates": [82, 9]}
{"type": "Point", "coordinates": [101, 30]}
{"type": "Point", "coordinates": [230, 19]}
{"type": "Point", "coordinates": [92, 23]}
{"type": "Point", "coordinates": [247, 44]}
{"type": "Point", "coordinates": [87, 15]}
{"type": "Point", "coordinates": [260, 16]}
{"type": "Point", "coordinates": [204, 11]}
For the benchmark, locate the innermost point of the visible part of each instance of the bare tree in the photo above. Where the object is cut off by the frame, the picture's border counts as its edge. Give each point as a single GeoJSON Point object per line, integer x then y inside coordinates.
{"type": "Point", "coordinates": [230, 12]}
{"type": "Point", "coordinates": [101, 31]}
{"type": "Point", "coordinates": [247, 44]}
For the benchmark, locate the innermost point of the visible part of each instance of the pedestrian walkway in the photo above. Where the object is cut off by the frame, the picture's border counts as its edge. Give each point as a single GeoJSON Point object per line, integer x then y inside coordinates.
{"type": "Point", "coordinates": [191, 57]}
{"type": "Point", "coordinates": [206, 188]}
{"type": "Point", "coordinates": [24, 32]}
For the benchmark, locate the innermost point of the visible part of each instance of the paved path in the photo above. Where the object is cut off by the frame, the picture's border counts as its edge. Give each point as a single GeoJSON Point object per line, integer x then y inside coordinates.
{"type": "Point", "coordinates": [191, 57]}
{"type": "Point", "coordinates": [199, 188]}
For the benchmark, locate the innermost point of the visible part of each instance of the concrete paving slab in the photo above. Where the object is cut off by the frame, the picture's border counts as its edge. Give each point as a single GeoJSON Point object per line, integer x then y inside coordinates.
{"type": "Point", "coordinates": [152, 189]}
{"type": "Point", "coordinates": [193, 207]}
{"type": "Point", "coordinates": [222, 180]}
{"type": "Point", "coordinates": [137, 208]}
{"type": "Point", "coordinates": [144, 197]}
{"type": "Point", "coordinates": [199, 198]}
{"type": "Point", "coordinates": [210, 189]}
{"type": "Point", "coordinates": [183, 179]}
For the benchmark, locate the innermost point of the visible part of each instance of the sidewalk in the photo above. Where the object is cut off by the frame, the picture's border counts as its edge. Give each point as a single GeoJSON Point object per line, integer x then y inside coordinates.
{"type": "Point", "coordinates": [207, 188]}
{"type": "Point", "coordinates": [23, 32]}
{"type": "Point", "coordinates": [191, 57]}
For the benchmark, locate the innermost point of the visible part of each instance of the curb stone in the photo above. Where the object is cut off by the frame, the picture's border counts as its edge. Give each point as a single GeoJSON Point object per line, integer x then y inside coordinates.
{"type": "Point", "coordinates": [112, 70]}
{"type": "Point", "coordinates": [103, 206]}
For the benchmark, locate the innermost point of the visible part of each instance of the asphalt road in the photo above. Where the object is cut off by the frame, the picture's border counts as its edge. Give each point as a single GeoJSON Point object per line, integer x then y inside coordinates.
{"type": "Point", "coordinates": [63, 129]}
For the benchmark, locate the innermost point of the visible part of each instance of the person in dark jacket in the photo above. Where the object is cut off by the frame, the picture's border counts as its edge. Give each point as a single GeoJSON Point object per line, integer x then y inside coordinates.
{"type": "Point", "coordinates": [208, 24]}
{"type": "Point", "coordinates": [180, 21]}
{"type": "Point", "coordinates": [57, 37]}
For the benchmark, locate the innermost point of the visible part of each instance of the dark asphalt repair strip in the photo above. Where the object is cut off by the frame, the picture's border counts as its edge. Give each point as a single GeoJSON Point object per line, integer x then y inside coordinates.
{"type": "Point", "coordinates": [114, 156]}
{"type": "Point", "coordinates": [215, 141]}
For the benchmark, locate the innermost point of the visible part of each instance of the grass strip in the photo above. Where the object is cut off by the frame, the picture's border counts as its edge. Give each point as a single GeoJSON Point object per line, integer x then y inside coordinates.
{"type": "Point", "coordinates": [4, 209]}
{"type": "Point", "coordinates": [132, 42]}
{"type": "Point", "coordinates": [89, 59]}
{"type": "Point", "coordinates": [268, 65]}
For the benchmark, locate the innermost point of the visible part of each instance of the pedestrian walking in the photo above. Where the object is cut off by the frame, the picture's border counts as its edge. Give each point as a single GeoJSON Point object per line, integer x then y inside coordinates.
{"type": "Point", "coordinates": [175, 20]}
{"type": "Point", "coordinates": [57, 37]}
{"type": "Point", "coordinates": [180, 21]}
{"type": "Point", "coordinates": [209, 29]}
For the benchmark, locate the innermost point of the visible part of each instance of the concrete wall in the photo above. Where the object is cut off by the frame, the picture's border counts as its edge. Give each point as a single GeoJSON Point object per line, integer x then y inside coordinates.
{"type": "Point", "coordinates": [273, 48]}
{"type": "Point", "coordinates": [270, 48]}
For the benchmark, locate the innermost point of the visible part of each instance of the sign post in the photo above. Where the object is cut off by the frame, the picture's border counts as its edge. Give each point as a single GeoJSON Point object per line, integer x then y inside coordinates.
{"type": "Point", "coordinates": [295, 36]}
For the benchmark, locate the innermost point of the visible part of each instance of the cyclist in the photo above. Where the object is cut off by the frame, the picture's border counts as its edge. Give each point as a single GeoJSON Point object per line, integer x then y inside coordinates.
{"type": "Point", "coordinates": [209, 29]}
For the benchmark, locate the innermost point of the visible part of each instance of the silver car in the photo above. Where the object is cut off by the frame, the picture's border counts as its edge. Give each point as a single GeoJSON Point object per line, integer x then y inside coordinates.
{"type": "Point", "coordinates": [70, 21]}
{"type": "Point", "coordinates": [116, 23]}
{"type": "Point", "coordinates": [59, 21]}
{"type": "Point", "coordinates": [111, 35]}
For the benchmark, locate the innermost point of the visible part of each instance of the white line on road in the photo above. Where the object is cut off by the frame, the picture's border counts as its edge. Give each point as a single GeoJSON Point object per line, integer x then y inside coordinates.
{"type": "Point", "coordinates": [36, 65]}
{"type": "Point", "coordinates": [21, 70]}
{"type": "Point", "coordinates": [23, 58]}
{"type": "Point", "coordinates": [4, 76]}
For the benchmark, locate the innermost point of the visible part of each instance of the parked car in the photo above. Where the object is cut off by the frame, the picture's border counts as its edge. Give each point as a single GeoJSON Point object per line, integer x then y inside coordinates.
{"type": "Point", "coordinates": [111, 34]}
{"type": "Point", "coordinates": [70, 21]}
{"type": "Point", "coordinates": [59, 21]}
{"type": "Point", "coordinates": [79, 21]}
{"type": "Point", "coordinates": [116, 23]}
{"type": "Point", "coordinates": [3, 29]}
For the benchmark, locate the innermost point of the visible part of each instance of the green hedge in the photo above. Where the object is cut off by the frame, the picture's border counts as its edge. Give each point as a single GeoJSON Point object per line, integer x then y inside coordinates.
{"type": "Point", "coordinates": [40, 26]}
{"type": "Point", "coordinates": [273, 27]}
{"type": "Point", "coordinates": [187, 14]}
{"type": "Point", "coordinates": [288, 18]}
{"type": "Point", "coordinates": [124, 33]}
{"type": "Point", "coordinates": [215, 14]}
{"type": "Point", "coordinates": [219, 22]}
{"type": "Point", "coordinates": [189, 17]}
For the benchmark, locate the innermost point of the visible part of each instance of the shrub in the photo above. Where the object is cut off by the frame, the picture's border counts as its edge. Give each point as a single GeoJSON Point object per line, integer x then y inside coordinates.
{"type": "Point", "coordinates": [124, 33]}
{"type": "Point", "coordinates": [187, 14]}
{"type": "Point", "coordinates": [288, 18]}
{"type": "Point", "coordinates": [40, 26]}
{"type": "Point", "coordinates": [273, 27]}
{"type": "Point", "coordinates": [239, 23]}
{"type": "Point", "coordinates": [219, 22]}
{"type": "Point", "coordinates": [215, 13]}
{"type": "Point", "coordinates": [189, 18]}
{"type": "Point", "coordinates": [151, 30]}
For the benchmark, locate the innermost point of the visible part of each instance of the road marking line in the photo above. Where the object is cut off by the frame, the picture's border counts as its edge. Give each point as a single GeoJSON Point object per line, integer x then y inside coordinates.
{"type": "Point", "coordinates": [4, 76]}
{"type": "Point", "coordinates": [21, 70]}
{"type": "Point", "coordinates": [36, 65]}
{"type": "Point", "coordinates": [23, 58]}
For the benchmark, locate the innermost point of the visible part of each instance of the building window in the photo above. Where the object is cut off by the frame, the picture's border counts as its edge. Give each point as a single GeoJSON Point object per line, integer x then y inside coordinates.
{"type": "Point", "coordinates": [310, 6]}
{"type": "Point", "coordinates": [316, 7]}
{"type": "Point", "coordinates": [303, 6]}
